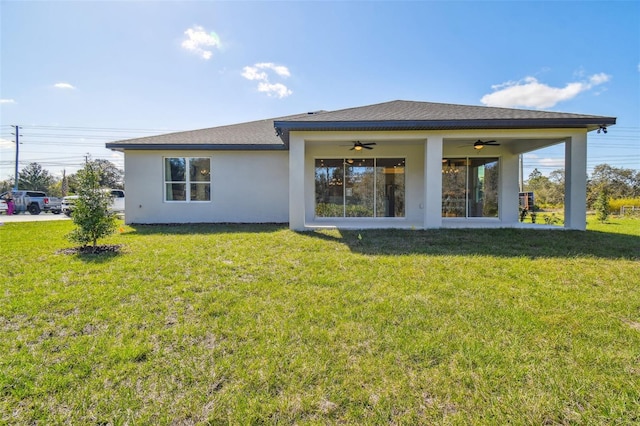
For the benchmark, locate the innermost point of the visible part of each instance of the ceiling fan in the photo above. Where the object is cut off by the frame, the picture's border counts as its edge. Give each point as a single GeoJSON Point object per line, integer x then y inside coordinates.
{"type": "Point", "coordinates": [481, 144]}
{"type": "Point", "coordinates": [357, 145]}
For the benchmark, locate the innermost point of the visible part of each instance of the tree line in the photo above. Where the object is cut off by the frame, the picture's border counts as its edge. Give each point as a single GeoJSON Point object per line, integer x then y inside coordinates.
{"type": "Point", "coordinates": [615, 182]}
{"type": "Point", "coordinates": [36, 178]}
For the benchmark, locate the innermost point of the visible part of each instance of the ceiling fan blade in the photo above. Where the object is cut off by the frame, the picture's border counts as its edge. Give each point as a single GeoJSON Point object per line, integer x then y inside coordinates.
{"type": "Point", "coordinates": [479, 144]}
{"type": "Point", "coordinates": [366, 147]}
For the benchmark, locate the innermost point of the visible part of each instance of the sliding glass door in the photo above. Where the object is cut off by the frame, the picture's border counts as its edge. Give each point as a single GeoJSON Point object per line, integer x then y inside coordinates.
{"type": "Point", "coordinates": [369, 187]}
{"type": "Point", "coordinates": [470, 187]}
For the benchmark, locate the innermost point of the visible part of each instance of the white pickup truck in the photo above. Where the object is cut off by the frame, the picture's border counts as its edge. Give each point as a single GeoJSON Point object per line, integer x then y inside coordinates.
{"type": "Point", "coordinates": [116, 206]}
{"type": "Point", "coordinates": [33, 202]}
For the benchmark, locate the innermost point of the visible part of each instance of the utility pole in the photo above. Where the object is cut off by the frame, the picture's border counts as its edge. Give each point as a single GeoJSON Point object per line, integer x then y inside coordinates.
{"type": "Point", "coordinates": [17, 134]}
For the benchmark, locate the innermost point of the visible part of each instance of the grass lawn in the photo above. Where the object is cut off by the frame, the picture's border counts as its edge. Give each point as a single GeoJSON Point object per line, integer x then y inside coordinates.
{"type": "Point", "coordinates": [222, 324]}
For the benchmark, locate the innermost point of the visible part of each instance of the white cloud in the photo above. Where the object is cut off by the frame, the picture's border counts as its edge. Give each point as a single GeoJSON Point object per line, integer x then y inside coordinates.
{"type": "Point", "coordinates": [278, 89]}
{"type": "Point", "coordinates": [63, 86]}
{"type": "Point", "coordinates": [7, 101]}
{"type": "Point", "coordinates": [5, 143]}
{"type": "Point", "coordinates": [530, 93]}
{"type": "Point", "coordinates": [260, 72]}
{"type": "Point", "coordinates": [281, 70]}
{"type": "Point", "coordinates": [199, 41]}
{"type": "Point", "coordinates": [551, 162]}
{"type": "Point", "coordinates": [252, 73]}
{"type": "Point", "coordinates": [599, 79]}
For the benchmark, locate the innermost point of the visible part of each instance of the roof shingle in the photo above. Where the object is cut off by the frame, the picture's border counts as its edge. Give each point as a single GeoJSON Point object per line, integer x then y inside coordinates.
{"type": "Point", "coordinates": [394, 115]}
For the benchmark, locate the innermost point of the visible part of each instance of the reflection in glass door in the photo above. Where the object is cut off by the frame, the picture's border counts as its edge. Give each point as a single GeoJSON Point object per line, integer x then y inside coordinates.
{"type": "Point", "coordinates": [483, 187]}
{"type": "Point", "coordinates": [359, 187]}
{"type": "Point", "coordinates": [470, 187]}
{"type": "Point", "coordinates": [369, 187]}
{"type": "Point", "coordinates": [329, 188]}
{"type": "Point", "coordinates": [390, 187]}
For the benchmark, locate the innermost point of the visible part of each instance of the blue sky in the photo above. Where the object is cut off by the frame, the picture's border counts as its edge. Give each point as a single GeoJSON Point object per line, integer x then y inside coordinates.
{"type": "Point", "coordinates": [77, 74]}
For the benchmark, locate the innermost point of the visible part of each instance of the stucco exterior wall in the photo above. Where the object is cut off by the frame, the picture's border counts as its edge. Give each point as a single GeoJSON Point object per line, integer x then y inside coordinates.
{"type": "Point", "coordinates": [246, 187]}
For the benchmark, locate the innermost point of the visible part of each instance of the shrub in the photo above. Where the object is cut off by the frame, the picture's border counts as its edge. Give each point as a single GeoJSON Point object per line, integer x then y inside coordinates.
{"type": "Point", "coordinates": [617, 204]}
{"type": "Point", "coordinates": [602, 206]}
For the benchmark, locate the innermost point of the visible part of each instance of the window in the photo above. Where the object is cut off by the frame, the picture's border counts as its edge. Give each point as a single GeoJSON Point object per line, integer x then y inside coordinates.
{"type": "Point", "coordinates": [187, 179]}
{"type": "Point", "coordinates": [369, 187]}
{"type": "Point", "coordinates": [470, 187]}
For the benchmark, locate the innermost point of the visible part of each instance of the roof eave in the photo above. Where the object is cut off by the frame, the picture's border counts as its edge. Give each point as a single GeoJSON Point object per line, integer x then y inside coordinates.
{"type": "Point", "coordinates": [283, 127]}
{"type": "Point", "coordinates": [194, 147]}
{"type": "Point", "coordinates": [590, 122]}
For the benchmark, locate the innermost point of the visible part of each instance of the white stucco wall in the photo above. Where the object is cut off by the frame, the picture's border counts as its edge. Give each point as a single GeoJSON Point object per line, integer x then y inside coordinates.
{"type": "Point", "coordinates": [246, 187]}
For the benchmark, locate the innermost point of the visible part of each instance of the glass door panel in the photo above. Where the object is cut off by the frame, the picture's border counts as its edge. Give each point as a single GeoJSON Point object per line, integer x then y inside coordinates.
{"type": "Point", "coordinates": [454, 187]}
{"type": "Point", "coordinates": [329, 179]}
{"type": "Point", "coordinates": [470, 187]}
{"type": "Point", "coordinates": [483, 187]}
{"type": "Point", "coordinates": [390, 187]}
{"type": "Point", "coordinates": [359, 187]}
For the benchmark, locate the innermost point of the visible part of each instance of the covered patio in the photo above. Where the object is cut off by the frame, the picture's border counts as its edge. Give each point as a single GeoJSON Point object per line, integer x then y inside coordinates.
{"type": "Point", "coordinates": [447, 181]}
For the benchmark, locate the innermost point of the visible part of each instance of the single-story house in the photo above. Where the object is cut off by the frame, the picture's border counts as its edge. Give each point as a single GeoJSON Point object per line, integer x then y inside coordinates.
{"type": "Point", "coordinates": [398, 164]}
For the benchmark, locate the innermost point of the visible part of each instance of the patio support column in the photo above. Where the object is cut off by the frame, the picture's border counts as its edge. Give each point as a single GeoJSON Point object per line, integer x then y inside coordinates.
{"type": "Point", "coordinates": [575, 182]}
{"type": "Point", "coordinates": [509, 190]}
{"type": "Point", "coordinates": [433, 182]}
{"type": "Point", "coordinates": [296, 184]}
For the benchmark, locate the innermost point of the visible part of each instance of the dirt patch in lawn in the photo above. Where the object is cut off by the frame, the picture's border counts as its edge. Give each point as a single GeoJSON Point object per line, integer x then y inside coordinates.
{"type": "Point", "coordinates": [102, 249]}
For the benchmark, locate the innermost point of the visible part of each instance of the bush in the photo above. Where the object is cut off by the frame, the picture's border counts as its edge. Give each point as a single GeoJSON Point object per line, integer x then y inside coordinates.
{"type": "Point", "coordinates": [601, 206]}
{"type": "Point", "coordinates": [616, 205]}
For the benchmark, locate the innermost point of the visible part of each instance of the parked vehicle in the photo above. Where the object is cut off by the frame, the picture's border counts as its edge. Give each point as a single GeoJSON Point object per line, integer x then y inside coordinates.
{"type": "Point", "coordinates": [34, 202]}
{"type": "Point", "coordinates": [116, 206]}
{"type": "Point", "coordinates": [3, 206]}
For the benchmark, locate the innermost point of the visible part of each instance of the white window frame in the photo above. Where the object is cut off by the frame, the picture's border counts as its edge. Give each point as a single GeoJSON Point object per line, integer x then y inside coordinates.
{"type": "Point", "coordinates": [187, 182]}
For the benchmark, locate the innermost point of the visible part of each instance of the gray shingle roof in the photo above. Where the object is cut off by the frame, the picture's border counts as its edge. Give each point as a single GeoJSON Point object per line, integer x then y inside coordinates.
{"type": "Point", "coordinates": [253, 135]}
{"type": "Point", "coordinates": [394, 115]}
{"type": "Point", "coordinates": [429, 111]}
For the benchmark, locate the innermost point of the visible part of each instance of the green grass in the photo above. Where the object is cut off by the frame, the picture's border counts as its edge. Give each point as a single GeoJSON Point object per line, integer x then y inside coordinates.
{"type": "Point", "coordinates": [258, 324]}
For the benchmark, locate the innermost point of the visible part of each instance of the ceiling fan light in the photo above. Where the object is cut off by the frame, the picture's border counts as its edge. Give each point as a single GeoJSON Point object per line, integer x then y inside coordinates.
{"type": "Point", "coordinates": [478, 146]}
{"type": "Point", "coordinates": [358, 148]}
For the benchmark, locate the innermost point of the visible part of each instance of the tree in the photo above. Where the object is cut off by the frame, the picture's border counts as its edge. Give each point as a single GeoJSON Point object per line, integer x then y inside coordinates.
{"type": "Point", "coordinates": [110, 176]}
{"type": "Point", "coordinates": [602, 206]}
{"type": "Point", "coordinates": [64, 185]}
{"type": "Point", "coordinates": [6, 185]}
{"type": "Point", "coordinates": [35, 178]}
{"type": "Point", "coordinates": [556, 187]}
{"type": "Point", "coordinates": [618, 183]}
{"type": "Point", "coordinates": [91, 213]}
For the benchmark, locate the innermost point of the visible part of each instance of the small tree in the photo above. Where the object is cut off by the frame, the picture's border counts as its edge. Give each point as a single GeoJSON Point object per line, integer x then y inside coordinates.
{"type": "Point", "coordinates": [91, 211]}
{"type": "Point", "coordinates": [35, 177]}
{"type": "Point", "coordinates": [602, 206]}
